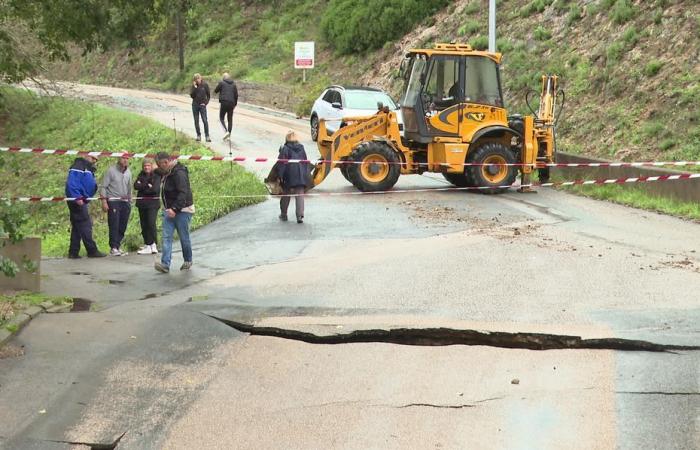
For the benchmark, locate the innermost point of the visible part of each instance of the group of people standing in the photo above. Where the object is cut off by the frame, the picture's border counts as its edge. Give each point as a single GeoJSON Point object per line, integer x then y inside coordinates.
{"type": "Point", "coordinates": [161, 181]}
{"type": "Point", "coordinates": [228, 99]}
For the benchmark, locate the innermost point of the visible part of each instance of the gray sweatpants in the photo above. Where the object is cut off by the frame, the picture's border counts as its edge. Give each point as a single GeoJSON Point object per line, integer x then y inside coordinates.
{"type": "Point", "coordinates": [298, 201]}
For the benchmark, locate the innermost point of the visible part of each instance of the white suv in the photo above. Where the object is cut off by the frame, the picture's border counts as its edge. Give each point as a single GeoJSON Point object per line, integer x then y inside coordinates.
{"type": "Point", "coordinates": [337, 102]}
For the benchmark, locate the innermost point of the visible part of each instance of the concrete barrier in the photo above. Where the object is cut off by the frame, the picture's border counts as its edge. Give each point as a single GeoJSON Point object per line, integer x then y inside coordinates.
{"type": "Point", "coordinates": [27, 249]}
{"type": "Point", "coordinates": [683, 190]}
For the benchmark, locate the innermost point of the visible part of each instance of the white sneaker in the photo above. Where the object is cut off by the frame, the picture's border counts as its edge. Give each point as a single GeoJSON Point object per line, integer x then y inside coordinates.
{"type": "Point", "coordinates": [115, 252]}
{"type": "Point", "coordinates": [145, 250]}
{"type": "Point", "coordinates": [227, 136]}
{"type": "Point", "coordinates": [154, 249]}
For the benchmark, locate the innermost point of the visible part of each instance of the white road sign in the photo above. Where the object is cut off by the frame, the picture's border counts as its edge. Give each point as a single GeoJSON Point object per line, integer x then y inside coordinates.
{"type": "Point", "coordinates": [304, 55]}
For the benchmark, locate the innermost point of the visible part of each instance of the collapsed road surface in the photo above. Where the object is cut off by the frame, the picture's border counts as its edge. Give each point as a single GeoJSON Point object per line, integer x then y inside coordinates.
{"type": "Point", "coordinates": [155, 364]}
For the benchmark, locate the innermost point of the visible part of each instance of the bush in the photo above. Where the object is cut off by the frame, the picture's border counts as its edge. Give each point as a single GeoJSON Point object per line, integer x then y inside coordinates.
{"type": "Point", "coordinates": [479, 42]}
{"type": "Point", "coordinates": [542, 34]}
{"type": "Point", "coordinates": [653, 68]}
{"type": "Point", "coordinates": [472, 8]}
{"type": "Point", "coordinates": [622, 12]}
{"type": "Point", "coordinates": [575, 15]}
{"type": "Point", "coordinates": [535, 6]}
{"type": "Point", "coordinates": [351, 27]}
{"type": "Point", "coordinates": [470, 27]}
{"type": "Point", "coordinates": [614, 53]}
{"type": "Point", "coordinates": [630, 36]}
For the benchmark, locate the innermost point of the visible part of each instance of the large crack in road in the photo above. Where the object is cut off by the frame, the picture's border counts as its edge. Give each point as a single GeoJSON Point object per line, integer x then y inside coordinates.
{"type": "Point", "coordinates": [451, 336]}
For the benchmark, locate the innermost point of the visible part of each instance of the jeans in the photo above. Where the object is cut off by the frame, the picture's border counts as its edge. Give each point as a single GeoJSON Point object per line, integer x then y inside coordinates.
{"type": "Point", "coordinates": [226, 109]}
{"type": "Point", "coordinates": [81, 229]}
{"type": "Point", "coordinates": [200, 110]}
{"type": "Point", "coordinates": [181, 223]}
{"type": "Point", "coordinates": [298, 192]}
{"type": "Point", "coordinates": [148, 217]}
{"type": "Point", "coordinates": [117, 219]}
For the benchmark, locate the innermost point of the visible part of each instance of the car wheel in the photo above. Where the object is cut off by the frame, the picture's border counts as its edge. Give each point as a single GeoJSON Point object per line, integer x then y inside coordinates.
{"type": "Point", "coordinates": [314, 128]}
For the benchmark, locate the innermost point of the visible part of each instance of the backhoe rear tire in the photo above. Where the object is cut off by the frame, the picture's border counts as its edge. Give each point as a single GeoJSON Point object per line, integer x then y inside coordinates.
{"type": "Point", "coordinates": [379, 170]}
{"type": "Point", "coordinates": [491, 176]}
{"type": "Point", "coordinates": [344, 170]}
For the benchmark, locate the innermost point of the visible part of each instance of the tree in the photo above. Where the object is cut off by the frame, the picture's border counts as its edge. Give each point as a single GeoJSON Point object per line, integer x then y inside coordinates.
{"type": "Point", "coordinates": [52, 25]}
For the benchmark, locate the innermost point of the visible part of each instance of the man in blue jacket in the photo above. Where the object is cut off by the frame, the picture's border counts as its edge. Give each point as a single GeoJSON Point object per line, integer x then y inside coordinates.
{"type": "Point", "coordinates": [81, 185]}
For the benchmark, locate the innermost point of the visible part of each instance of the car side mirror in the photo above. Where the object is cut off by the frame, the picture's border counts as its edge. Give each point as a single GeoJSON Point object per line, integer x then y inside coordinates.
{"type": "Point", "coordinates": [337, 105]}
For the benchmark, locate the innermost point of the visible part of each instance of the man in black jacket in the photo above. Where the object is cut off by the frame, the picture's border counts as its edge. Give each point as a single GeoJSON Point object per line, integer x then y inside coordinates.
{"type": "Point", "coordinates": [200, 99]}
{"type": "Point", "coordinates": [176, 195]}
{"type": "Point", "coordinates": [228, 97]}
{"type": "Point", "coordinates": [294, 176]}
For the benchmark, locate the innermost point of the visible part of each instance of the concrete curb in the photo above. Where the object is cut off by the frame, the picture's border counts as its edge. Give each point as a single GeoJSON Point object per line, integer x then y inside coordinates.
{"type": "Point", "coordinates": [24, 317]}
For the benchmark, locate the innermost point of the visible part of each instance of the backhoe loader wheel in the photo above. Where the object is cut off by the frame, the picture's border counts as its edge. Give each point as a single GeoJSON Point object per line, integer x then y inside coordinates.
{"type": "Point", "coordinates": [495, 175]}
{"type": "Point", "coordinates": [344, 170]}
{"type": "Point", "coordinates": [458, 179]}
{"type": "Point", "coordinates": [379, 170]}
{"type": "Point", "coordinates": [314, 128]}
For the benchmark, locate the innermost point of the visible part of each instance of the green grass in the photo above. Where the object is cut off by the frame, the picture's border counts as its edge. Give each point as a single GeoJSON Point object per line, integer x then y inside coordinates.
{"type": "Point", "coordinates": [29, 120]}
{"type": "Point", "coordinates": [11, 304]}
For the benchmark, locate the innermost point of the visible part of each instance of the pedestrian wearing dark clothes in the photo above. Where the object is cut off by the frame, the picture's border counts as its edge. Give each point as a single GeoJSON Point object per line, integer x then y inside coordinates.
{"type": "Point", "coordinates": [178, 206]}
{"type": "Point", "coordinates": [81, 185]}
{"type": "Point", "coordinates": [228, 98]}
{"type": "Point", "coordinates": [116, 202]}
{"type": "Point", "coordinates": [147, 186]}
{"type": "Point", "coordinates": [294, 177]}
{"type": "Point", "coordinates": [200, 99]}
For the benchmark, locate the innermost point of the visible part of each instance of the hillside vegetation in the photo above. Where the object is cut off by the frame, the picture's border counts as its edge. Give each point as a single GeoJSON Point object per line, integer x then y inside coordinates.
{"type": "Point", "coordinates": [630, 69]}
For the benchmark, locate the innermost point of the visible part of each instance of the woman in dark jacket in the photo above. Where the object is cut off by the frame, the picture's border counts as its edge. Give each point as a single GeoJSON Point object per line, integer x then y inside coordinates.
{"type": "Point", "coordinates": [148, 185]}
{"type": "Point", "coordinates": [294, 176]}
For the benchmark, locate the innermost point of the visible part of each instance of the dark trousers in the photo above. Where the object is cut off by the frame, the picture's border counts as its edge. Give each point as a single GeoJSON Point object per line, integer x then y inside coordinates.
{"type": "Point", "coordinates": [200, 110]}
{"type": "Point", "coordinates": [117, 219]}
{"type": "Point", "coordinates": [226, 110]}
{"type": "Point", "coordinates": [81, 229]}
{"type": "Point", "coordinates": [148, 216]}
{"type": "Point", "coordinates": [298, 201]}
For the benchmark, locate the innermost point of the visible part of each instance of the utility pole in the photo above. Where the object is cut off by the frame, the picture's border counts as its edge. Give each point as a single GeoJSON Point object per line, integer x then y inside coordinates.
{"type": "Point", "coordinates": [492, 25]}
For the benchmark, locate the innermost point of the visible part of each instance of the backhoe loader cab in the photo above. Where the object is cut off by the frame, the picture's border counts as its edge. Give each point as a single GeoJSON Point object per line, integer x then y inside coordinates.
{"type": "Point", "coordinates": [454, 123]}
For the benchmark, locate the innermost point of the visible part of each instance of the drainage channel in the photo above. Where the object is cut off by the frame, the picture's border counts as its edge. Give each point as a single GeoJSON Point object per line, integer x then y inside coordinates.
{"type": "Point", "coordinates": [450, 336]}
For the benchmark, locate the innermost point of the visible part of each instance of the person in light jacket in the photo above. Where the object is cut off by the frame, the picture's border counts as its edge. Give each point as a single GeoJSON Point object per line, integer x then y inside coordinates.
{"type": "Point", "coordinates": [147, 186]}
{"type": "Point", "coordinates": [116, 202]}
{"type": "Point", "coordinates": [294, 176]}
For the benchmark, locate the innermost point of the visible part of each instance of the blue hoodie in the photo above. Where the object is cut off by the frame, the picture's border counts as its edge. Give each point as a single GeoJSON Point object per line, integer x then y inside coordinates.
{"type": "Point", "coordinates": [81, 181]}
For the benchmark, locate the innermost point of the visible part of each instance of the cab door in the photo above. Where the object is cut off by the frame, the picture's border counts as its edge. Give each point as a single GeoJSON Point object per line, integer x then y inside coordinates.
{"type": "Point", "coordinates": [443, 94]}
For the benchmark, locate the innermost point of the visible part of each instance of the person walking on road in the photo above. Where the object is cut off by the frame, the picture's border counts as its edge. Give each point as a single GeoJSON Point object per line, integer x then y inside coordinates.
{"type": "Point", "coordinates": [147, 185]}
{"type": "Point", "coordinates": [178, 206]}
{"type": "Point", "coordinates": [200, 99]}
{"type": "Point", "coordinates": [116, 202]}
{"type": "Point", "coordinates": [228, 98]}
{"type": "Point", "coordinates": [81, 185]}
{"type": "Point", "coordinates": [294, 177]}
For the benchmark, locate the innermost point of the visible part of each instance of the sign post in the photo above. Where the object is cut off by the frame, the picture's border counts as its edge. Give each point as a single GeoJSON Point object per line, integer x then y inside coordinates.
{"type": "Point", "coordinates": [304, 57]}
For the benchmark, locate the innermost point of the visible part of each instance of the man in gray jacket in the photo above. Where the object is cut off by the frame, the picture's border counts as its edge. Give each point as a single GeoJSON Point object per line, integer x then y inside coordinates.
{"type": "Point", "coordinates": [116, 201]}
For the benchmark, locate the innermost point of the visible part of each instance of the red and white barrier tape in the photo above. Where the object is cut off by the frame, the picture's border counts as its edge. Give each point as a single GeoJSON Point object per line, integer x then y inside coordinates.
{"type": "Point", "coordinates": [640, 179]}
{"type": "Point", "coordinates": [241, 159]}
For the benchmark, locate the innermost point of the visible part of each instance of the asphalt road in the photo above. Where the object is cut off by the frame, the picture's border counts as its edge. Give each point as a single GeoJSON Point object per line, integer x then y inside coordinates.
{"type": "Point", "coordinates": [152, 360]}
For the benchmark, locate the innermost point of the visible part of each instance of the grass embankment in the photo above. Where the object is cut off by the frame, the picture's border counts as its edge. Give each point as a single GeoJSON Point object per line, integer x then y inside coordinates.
{"type": "Point", "coordinates": [12, 304]}
{"type": "Point", "coordinates": [29, 120]}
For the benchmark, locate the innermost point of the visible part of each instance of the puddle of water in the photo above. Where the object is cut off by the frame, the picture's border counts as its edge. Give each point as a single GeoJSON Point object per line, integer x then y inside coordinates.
{"type": "Point", "coordinates": [81, 305]}
{"type": "Point", "coordinates": [115, 281]}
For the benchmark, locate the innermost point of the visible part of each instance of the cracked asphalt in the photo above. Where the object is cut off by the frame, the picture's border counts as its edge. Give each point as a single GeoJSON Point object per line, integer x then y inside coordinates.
{"type": "Point", "coordinates": [150, 360]}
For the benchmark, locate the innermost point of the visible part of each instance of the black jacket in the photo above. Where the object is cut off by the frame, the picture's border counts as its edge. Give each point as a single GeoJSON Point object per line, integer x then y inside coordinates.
{"type": "Point", "coordinates": [175, 189]}
{"type": "Point", "coordinates": [148, 185]}
{"type": "Point", "coordinates": [200, 94]}
{"type": "Point", "coordinates": [228, 92]}
{"type": "Point", "coordinates": [293, 174]}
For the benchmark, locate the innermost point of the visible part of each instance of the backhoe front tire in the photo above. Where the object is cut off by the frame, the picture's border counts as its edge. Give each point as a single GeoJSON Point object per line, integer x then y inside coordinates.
{"type": "Point", "coordinates": [379, 169]}
{"type": "Point", "coordinates": [491, 176]}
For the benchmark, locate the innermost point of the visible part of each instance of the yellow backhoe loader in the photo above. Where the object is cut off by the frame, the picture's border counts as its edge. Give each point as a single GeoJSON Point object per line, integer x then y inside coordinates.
{"type": "Point", "coordinates": [454, 123]}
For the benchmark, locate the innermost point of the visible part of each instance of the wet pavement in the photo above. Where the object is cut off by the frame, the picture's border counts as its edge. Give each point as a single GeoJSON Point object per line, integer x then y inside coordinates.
{"type": "Point", "coordinates": [149, 359]}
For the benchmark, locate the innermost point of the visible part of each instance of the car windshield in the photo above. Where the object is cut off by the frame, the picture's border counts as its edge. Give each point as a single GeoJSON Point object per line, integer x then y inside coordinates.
{"type": "Point", "coordinates": [367, 100]}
